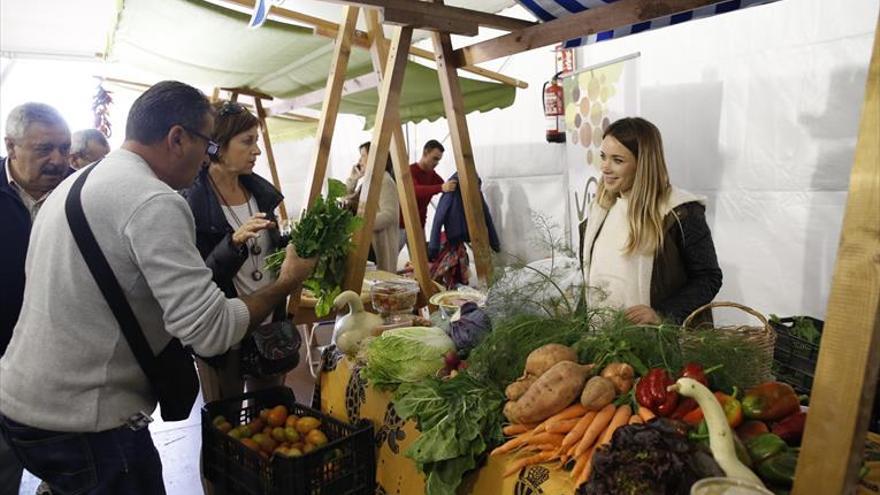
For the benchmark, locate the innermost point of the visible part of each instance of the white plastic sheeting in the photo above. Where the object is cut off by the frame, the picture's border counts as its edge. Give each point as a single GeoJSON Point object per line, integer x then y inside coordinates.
{"type": "Point", "coordinates": [759, 111]}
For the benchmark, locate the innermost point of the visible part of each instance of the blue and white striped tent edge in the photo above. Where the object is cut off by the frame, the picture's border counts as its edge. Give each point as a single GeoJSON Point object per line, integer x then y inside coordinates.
{"type": "Point", "coordinates": [548, 10]}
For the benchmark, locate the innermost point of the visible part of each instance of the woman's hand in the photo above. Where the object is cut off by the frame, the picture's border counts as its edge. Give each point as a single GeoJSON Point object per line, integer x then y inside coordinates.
{"type": "Point", "coordinates": [642, 315]}
{"type": "Point", "coordinates": [251, 229]}
{"type": "Point", "coordinates": [357, 171]}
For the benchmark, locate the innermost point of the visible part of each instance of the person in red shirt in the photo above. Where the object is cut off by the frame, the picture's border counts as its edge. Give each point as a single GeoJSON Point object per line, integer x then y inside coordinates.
{"type": "Point", "coordinates": [426, 182]}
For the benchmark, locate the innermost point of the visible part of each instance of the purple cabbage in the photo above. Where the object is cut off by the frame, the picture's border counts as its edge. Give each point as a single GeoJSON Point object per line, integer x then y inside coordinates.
{"type": "Point", "coordinates": [470, 328]}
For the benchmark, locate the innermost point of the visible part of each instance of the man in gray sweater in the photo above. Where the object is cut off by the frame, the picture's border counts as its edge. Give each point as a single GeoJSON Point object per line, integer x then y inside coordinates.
{"type": "Point", "coordinates": [69, 382]}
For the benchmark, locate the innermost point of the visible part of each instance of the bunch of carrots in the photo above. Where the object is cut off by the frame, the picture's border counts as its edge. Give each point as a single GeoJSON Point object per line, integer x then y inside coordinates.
{"type": "Point", "coordinates": [572, 434]}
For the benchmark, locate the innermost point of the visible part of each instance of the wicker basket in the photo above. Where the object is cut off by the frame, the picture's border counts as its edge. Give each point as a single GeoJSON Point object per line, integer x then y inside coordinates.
{"type": "Point", "coordinates": [763, 336]}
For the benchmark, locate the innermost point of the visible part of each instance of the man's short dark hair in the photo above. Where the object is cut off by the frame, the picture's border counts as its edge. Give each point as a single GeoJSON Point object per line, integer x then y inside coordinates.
{"type": "Point", "coordinates": [433, 145]}
{"type": "Point", "coordinates": [164, 105]}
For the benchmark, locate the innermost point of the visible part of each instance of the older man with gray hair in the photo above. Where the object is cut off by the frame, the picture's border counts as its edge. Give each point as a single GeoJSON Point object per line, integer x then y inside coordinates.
{"type": "Point", "coordinates": [87, 146]}
{"type": "Point", "coordinates": [37, 143]}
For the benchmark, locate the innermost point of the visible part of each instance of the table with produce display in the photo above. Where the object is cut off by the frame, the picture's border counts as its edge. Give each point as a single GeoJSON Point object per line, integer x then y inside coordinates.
{"type": "Point", "coordinates": [532, 403]}
{"type": "Point", "coordinates": [521, 391]}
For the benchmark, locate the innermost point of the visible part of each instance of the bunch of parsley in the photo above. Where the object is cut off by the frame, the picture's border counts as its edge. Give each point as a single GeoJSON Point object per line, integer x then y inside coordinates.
{"type": "Point", "coordinates": [325, 230]}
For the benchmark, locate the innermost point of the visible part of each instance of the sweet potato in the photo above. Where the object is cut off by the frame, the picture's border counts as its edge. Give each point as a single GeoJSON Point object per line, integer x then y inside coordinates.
{"type": "Point", "coordinates": [552, 392]}
{"type": "Point", "coordinates": [516, 389]}
{"type": "Point", "coordinates": [545, 357]}
{"type": "Point", "coordinates": [598, 393]}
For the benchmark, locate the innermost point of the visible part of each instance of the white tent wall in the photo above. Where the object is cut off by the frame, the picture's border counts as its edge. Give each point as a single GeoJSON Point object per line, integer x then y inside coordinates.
{"type": "Point", "coordinates": [759, 111]}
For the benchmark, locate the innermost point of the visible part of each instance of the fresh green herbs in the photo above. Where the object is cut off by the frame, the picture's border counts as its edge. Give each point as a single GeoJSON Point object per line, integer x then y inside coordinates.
{"type": "Point", "coordinates": [458, 420]}
{"type": "Point", "coordinates": [802, 327]}
{"type": "Point", "coordinates": [325, 231]}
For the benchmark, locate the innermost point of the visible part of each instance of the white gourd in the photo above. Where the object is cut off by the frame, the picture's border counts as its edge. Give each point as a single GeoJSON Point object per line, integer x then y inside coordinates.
{"type": "Point", "coordinates": [720, 435]}
{"type": "Point", "coordinates": [351, 329]}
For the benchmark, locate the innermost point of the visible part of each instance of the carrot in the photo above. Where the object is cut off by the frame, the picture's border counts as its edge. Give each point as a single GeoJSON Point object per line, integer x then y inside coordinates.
{"type": "Point", "coordinates": [635, 419]}
{"type": "Point", "coordinates": [588, 468]}
{"type": "Point", "coordinates": [600, 422]}
{"type": "Point", "coordinates": [579, 466]}
{"type": "Point", "coordinates": [516, 429]}
{"type": "Point", "coordinates": [572, 411]}
{"type": "Point", "coordinates": [621, 416]}
{"type": "Point", "coordinates": [646, 414]}
{"type": "Point", "coordinates": [539, 447]}
{"type": "Point", "coordinates": [511, 444]}
{"type": "Point", "coordinates": [527, 461]}
{"type": "Point", "coordinates": [563, 425]}
{"type": "Point", "coordinates": [578, 431]}
{"type": "Point", "coordinates": [546, 437]}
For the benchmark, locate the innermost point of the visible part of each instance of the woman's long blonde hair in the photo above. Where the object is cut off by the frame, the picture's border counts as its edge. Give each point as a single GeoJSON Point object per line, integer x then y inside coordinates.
{"type": "Point", "coordinates": [650, 188]}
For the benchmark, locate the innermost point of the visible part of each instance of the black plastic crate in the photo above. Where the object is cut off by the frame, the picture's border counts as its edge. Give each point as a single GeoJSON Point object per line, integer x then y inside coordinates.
{"type": "Point", "coordinates": [346, 465]}
{"type": "Point", "coordinates": [794, 358]}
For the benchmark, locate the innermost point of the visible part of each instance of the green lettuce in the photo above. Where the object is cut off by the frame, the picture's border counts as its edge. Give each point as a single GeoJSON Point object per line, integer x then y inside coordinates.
{"type": "Point", "coordinates": [405, 355]}
{"type": "Point", "coordinates": [458, 420]}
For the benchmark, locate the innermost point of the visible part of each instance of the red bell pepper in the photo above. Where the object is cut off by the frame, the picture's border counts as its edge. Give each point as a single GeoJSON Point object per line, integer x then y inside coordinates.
{"type": "Point", "coordinates": [693, 371]}
{"type": "Point", "coordinates": [732, 410]}
{"type": "Point", "coordinates": [651, 392]}
{"type": "Point", "coordinates": [791, 429]}
{"type": "Point", "coordinates": [751, 429]}
{"type": "Point", "coordinates": [770, 402]}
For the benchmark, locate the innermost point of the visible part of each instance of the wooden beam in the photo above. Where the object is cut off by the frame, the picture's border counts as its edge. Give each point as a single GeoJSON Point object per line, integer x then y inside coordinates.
{"type": "Point", "coordinates": [330, 109]}
{"type": "Point", "coordinates": [621, 13]}
{"type": "Point", "coordinates": [415, 233]}
{"type": "Point", "coordinates": [248, 92]}
{"type": "Point", "coordinates": [849, 355]}
{"type": "Point", "coordinates": [425, 20]}
{"type": "Point", "coordinates": [468, 181]}
{"type": "Point", "coordinates": [270, 155]}
{"type": "Point", "coordinates": [361, 39]}
{"type": "Point", "coordinates": [441, 14]}
{"type": "Point", "coordinates": [386, 120]}
{"type": "Point", "coordinates": [473, 69]}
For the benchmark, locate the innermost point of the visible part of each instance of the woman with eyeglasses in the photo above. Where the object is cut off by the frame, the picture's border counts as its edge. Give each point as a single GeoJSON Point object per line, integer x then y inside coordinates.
{"type": "Point", "coordinates": [234, 212]}
{"type": "Point", "coordinates": [647, 247]}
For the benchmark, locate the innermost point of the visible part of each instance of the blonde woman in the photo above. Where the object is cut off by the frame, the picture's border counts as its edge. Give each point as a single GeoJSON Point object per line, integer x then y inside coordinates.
{"type": "Point", "coordinates": [647, 247]}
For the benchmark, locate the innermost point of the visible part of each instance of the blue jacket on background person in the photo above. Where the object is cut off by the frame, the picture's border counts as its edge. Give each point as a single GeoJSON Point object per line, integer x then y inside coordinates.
{"type": "Point", "coordinates": [16, 231]}
{"type": "Point", "coordinates": [451, 218]}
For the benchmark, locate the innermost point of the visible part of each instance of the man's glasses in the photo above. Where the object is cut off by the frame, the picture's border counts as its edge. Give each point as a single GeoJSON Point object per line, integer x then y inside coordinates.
{"type": "Point", "coordinates": [213, 148]}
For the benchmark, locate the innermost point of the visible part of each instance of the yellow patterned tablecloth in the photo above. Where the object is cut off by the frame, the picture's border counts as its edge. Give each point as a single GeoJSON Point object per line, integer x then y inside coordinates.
{"type": "Point", "coordinates": [344, 395]}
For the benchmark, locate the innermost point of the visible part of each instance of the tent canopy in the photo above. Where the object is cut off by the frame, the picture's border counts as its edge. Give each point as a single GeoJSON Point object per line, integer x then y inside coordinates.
{"type": "Point", "coordinates": [216, 48]}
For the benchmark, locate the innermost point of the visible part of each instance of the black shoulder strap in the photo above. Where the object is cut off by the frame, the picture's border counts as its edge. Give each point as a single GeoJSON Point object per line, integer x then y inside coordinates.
{"type": "Point", "coordinates": [105, 277]}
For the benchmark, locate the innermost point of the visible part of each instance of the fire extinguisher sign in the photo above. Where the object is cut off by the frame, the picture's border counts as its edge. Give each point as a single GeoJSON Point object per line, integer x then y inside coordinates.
{"type": "Point", "coordinates": [565, 60]}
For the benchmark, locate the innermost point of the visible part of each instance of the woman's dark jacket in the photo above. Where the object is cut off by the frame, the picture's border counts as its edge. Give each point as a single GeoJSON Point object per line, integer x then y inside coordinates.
{"type": "Point", "coordinates": [686, 274]}
{"type": "Point", "coordinates": [214, 234]}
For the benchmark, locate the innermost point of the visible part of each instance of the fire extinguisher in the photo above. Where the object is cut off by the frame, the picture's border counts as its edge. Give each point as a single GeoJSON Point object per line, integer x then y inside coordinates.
{"type": "Point", "coordinates": [554, 110]}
